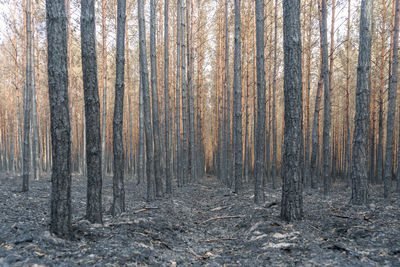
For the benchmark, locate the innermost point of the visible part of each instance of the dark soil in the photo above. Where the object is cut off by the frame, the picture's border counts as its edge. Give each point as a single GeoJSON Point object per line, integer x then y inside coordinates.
{"type": "Point", "coordinates": [203, 223]}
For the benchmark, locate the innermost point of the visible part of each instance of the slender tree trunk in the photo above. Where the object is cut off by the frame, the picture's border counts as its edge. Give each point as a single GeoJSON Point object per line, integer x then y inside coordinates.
{"type": "Point", "coordinates": [104, 84]}
{"type": "Point", "coordinates": [141, 163]}
{"type": "Point", "coordinates": [348, 136]}
{"type": "Point", "coordinates": [326, 165]}
{"type": "Point", "coordinates": [35, 152]}
{"type": "Point", "coordinates": [178, 163]}
{"type": "Point", "coordinates": [379, 160]}
{"type": "Point", "coordinates": [118, 147]}
{"type": "Point", "coordinates": [27, 100]}
{"type": "Point", "coordinates": [154, 98]}
{"type": "Point", "coordinates": [92, 112]}
{"type": "Point", "coordinates": [274, 151]}
{"type": "Point", "coordinates": [144, 73]}
{"type": "Point", "coordinates": [359, 172]}
{"type": "Point", "coordinates": [168, 182]}
{"type": "Point", "coordinates": [292, 164]}
{"type": "Point", "coordinates": [260, 134]}
{"type": "Point", "coordinates": [237, 106]}
{"type": "Point", "coordinates": [191, 94]}
{"type": "Point", "coordinates": [60, 204]}
{"type": "Point", "coordinates": [392, 107]}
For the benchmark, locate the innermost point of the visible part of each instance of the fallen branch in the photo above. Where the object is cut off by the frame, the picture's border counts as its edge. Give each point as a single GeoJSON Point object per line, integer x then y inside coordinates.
{"type": "Point", "coordinates": [221, 218]}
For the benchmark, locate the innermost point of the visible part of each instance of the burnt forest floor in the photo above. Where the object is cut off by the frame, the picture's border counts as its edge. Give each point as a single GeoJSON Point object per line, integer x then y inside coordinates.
{"type": "Point", "coordinates": [203, 223]}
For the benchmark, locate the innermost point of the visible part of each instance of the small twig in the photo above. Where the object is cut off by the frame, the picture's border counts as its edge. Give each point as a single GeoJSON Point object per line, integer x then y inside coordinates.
{"type": "Point", "coordinates": [221, 218]}
{"type": "Point", "coordinates": [219, 208]}
{"type": "Point", "coordinates": [144, 209]}
{"type": "Point", "coordinates": [341, 216]}
{"type": "Point", "coordinates": [218, 239]}
{"type": "Point", "coordinates": [192, 252]}
{"type": "Point", "coordinates": [316, 228]}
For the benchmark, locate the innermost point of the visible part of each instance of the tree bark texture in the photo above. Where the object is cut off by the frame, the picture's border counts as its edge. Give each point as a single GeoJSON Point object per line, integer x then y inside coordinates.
{"type": "Point", "coordinates": [359, 166]}
{"type": "Point", "coordinates": [144, 73]}
{"type": "Point", "coordinates": [118, 180]}
{"type": "Point", "coordinates": [292, 162]}
{"type": "Point", "coordinates": [237, 106]}
{"type": "Point", "coordinates": [388, 169]}
{"type": "Point", "coordinates": [260, 134]}
{"type": "Point", "coordinates": [60, 202]}
{"type": "Point", "coordinates": [92, 112]}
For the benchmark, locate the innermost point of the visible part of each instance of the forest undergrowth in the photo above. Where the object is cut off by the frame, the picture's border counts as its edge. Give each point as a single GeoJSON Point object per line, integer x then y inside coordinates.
{"type": "Point", "coordinates": [203, 223]}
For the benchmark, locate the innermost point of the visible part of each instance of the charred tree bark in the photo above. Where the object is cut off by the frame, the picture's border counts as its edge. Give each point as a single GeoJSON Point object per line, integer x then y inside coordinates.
{"type": "Point", "coordinates": [237, 106]}
{"type": "Point", "coordinates": [326, 150]}
{"type": "Point", "coordinates": [27, 101]}
{"type": "Point", "coordinates": [144, 73]}
{"type": "Point", "coordinates": [359, 172]}
{"type": "Point", "coordinates": [168, 182]}
{"type": "Point", "coordinates": [392, 107]}
{"type": "Point", "coordinates": [292, 164]}
{"type": "Point", "coordinates": [178, 163]}
{"type": "Point", "coordinates": [260, 134]}
{"type": "Point", "coordinates": [92, 113]}
{"type": "Point", "coordinates": [60, 204]}
{"type": "Point", "coordinates": [118, 180]}
{"type": "Point", "coordinates": [154, 98]}
{"type": "Point", "coordinates": [274, 143]}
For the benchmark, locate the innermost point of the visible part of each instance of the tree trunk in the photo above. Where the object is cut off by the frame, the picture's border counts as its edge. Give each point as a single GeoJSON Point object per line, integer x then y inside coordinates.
{"type": "Point", "coordinates": [141, 163]}
{"type": "Point", "coordinates": [168, 182]}
{"type": "Point", "coordinates": [144, 73]}
{"type": "Point", "coordinates": [154, 98]}
{"type": "Point", "coordinates": [27, 101]}
{"type": "Point", "coordinates": [260, 134]}
{"type": "Point", "coordinates": [274, 151]}
{"type": "Point", "coordinates": [104, 78]}
{"type": "Point", "coordinates": [92, 112]}
{"type": "Point", "coordinates": [118, 180]}
{"type": "Point", "coordinates": [178, 163]}
{"type": "Point", "coordinates": [237, 106]}
{"type": "Point", "coordinates": [292, 164]}
{"type": "Point", "coordinates": [392, 107]}
{"type": "Point", "coordinates": [60, 204]}
{"type": "Point", "coordinates": [348, 136]}
{"type": "Point", "coordinates": [359, 173]}
{"type": "Point", "coordinates": [326, 165]}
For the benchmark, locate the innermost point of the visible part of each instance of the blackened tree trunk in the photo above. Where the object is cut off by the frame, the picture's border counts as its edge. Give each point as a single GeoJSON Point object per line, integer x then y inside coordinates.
{"type": "Point", "coordinates": [27, 101]}
{"type": "Point", "coordinates": [168, 183]}
{"type": "Point", "coordinates": [348, 141]}
{"type": "Point", "coordinates": [237, 106]}
{"type": "Point", "coordinates": [144, 73]}
{"type": "Point", "coordinates": [154, 98]}
{"type": "Point", "coordinates": [190, 88]}
{"type": "Point", "coordinates": [359, 173]}
{"type": "Point", "coordinates": [392, 107]}
{"type": "Point", "coordinates": [292, 162]}
{"type": "Point", "coordinates": [184, 155]}
{"type": "Point", "coordinates": [260, 134]}
{"type": "Point", "coordinates": [141, 159]}
{"type": "Point", "coordinates": [227, 147]}
{"type": "Point", "coordinates": [178, 163]}
{"type": "Point", "coordinates": [326, 139]}
{"type": "Point", "coordinates": [274, 151]}
{"type": "Point", "coordinates": [104, 77]}
{"type": "Point", "coordinates": [92, 112]}
{"type": "Point", "coordinates": [118, 180]}
{"type": "Point", "coordinates": [60, 203]}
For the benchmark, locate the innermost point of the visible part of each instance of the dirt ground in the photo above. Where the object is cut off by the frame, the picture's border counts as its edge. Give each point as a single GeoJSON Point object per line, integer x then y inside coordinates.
{"type": "Point", "coordinates": [203, 223]}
